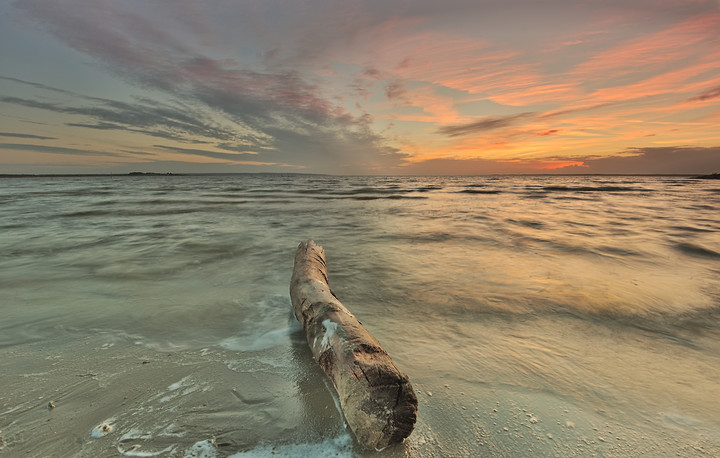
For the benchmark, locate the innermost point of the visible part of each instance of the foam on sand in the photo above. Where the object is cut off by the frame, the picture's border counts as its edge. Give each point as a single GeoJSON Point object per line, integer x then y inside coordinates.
{"type": "Point", "coordinates": [103, 429]}
{"type": "Point", "coordinates": [340, 446]}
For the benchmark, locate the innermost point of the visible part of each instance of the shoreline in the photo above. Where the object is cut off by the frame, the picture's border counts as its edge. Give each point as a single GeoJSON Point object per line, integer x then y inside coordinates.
{"type": "Point", "coordinates": [165, 174]}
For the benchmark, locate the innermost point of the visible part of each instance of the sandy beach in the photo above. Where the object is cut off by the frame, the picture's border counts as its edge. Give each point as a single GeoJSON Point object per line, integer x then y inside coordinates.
{"type": "Point", "coordinates": [120, 399]}
{"type": "Point", "coordinates": [154, 403]}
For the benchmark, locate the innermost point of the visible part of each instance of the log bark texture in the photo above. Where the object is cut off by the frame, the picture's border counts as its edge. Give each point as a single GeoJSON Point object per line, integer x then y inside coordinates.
{"type": "Point", "coordinates": [377, 399]}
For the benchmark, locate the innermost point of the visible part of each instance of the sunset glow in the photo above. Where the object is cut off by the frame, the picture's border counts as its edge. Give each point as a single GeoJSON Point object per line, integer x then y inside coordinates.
{"type": "Point", "coordinates": [465, 87]}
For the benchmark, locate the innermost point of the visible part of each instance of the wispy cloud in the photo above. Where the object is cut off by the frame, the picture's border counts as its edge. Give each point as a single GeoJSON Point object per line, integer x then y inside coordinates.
{"type": "Point", "coordinates": [654, 160]}
{"type": "Point", "coordinates": [19, 135]}
{"type": "Point", "coordinates": [482, 125]}
{"type": "Point", "coordinates": [651, 160]}
{"type": "Point", "coordinates": [152, 117]}
{"type": "Point", "coordinates": [709, 94]}
{"type": "Point", "coordinates": [641, 54]}
{"type": "Point", "coordinates": [395, 90]}
{"type": "Point", "coordinates": [37, 85]}
{"type": "Point", "coordinates": [256, 100]}
{"type": "Point", "coordinates": [56, 150]}
{"type": "Point", "coordinates": [233, 157]}
{"type": "Point", "coordinates": [549, 132]}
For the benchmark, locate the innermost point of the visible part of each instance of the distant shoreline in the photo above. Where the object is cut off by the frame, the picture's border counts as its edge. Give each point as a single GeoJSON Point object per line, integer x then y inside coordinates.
{"type": "Point", "coordinates": [160, 174]}
{"type": "Point", "coordinates": [61, 175]}
{"type": "Point", "coordinates": [712, 176]}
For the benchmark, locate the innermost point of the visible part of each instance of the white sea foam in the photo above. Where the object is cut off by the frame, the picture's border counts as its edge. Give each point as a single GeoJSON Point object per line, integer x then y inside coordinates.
{"type": "Point", "coordinates": [179, 384]}
{"type": "Point", "coordinates": [201, 449]}
{"type": "Point", "coordinates": [136, 450]}
{"type": "Point", "coordinates": [340, 446]}
{"type": "Point", "coordinates": [269, 327]}
{"type": "Point", "coordinates": [170, 431]}
{"type": "Point", "coordinates": [103, 429]}
{"type": "Point", "coordinates": [11, 410]}
{"type": "Point", "coordinates": [134, 434]}
{"type": "Point", "coordinates": [260, 342]}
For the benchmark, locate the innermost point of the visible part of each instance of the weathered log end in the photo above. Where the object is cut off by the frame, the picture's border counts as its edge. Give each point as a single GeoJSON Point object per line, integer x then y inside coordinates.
{"type": "Point", "coordinates": [377, 399]}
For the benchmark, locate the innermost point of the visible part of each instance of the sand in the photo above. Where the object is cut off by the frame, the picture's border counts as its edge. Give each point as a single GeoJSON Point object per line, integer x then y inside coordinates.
{"type": "Point", "coordinates": [115, 398]}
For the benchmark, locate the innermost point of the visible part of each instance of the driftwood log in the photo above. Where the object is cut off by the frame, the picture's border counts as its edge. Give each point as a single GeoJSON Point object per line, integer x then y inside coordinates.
{"type": "Point", "coordinates": [376, 398]}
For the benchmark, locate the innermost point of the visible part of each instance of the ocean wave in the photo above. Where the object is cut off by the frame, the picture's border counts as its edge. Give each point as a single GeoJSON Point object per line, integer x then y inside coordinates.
{"type": "Point", "coordinates": [428, 188]}
{"type": "Point", "coordinates": [696, 250]}
{"type": "Point", "coordinates": [595, 189]}
{"type": "Point", "coordinates": [85, 192]}
{"type": "Point", "coordinates": [370, 190]}
{"type": "Point", "coordinates": [618, 251]}
{"type": "Point", "coordinates": [390, 197]}
{"type": "Point", "coordinates": [691, 229]}
{"type": "Point", "coordinates": [527, 223]}
{"type": "Point", "coordinates": [127, 212]}
{"type": "Point", "coordinates": [480, 191]}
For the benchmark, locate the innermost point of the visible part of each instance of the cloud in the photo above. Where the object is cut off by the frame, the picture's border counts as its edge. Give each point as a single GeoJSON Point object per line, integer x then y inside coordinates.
{"type": "Point", "coordinates": [56, 150]}
{"type": "Point", "coordinates": [233, 157]}
{"type": "Point", "coordinates": [476, 166]}
{"type": "Point", "coordinates": [679, 160]}
{"type": "Point", "coordinates": [483, 125]}
{"type": "Point", "coordinates": [678, 42]}
{"type": "Point", "coordinates": [395, 90]}
{"type": "Point", "coordinates": [17, 135]}
{"type": "Point", "coordinates": [255, 99]}
{"type": "Point", "coordinates": [709, 94]}
{"type": "Point", "coordinates": [151, 117]}
{"type": "Point", "coordinates": [36, 85]}
{"type": "Point", "coordinates": [464, 78]}
{"type": "Point", "coordinates": [654, 160]}
{"type": "Point", "coordinates": [547, 133]}
{"type": "Point", "coordinates": [573, 110]}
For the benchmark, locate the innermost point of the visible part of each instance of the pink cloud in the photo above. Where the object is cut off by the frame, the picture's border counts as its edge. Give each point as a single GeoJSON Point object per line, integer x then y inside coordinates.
{"type": "Point", "coordinates": [678, 42]}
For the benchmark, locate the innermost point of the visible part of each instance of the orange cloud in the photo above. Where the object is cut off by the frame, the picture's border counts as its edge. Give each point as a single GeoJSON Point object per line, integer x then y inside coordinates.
{"type": "Point", "coordinates": [660, 48]}
{"type": "Point", "coordinates": [560, 165]}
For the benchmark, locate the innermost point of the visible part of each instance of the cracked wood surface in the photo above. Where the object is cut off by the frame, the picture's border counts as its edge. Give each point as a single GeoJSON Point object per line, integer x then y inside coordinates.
{"type": "Point", "coordinates": [377, 398]}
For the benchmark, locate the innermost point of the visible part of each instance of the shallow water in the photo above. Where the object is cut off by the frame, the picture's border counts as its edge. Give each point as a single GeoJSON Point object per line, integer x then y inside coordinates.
{"type": "Point", "coordinates": [535, 315]}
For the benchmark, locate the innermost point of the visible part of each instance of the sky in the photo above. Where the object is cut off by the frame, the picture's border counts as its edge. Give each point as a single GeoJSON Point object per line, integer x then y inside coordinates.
{"type": "Point", "coordinates": [397, 87]}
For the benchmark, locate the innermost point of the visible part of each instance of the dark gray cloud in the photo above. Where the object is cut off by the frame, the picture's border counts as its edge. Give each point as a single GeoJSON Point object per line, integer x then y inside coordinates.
{"type": "Point", "coordinates": [56, 150]}
{"type": "Point", "coordinates": [269, 105]}
{"type": "Point", "coordinates": [206, 153]}
{"type": "Point", "coordinates": [395, 90]}
{"type": "Point", "coordinates": [98, 126]}
{"type": "Point", "coordinates": [17, 135]}
{"type": "Point", "coordinates": [126, 128]}
{"type": "Point", "coordinates": [710, 94]}
{"type": "Point", "coordinates": [149, 117]}
{"type": "Point", "coordinates": [547, 133]}
{"type": "Point", "coordinates": [554, 114]}
{"type": "Point", "coordinates": [678, 160]}
{"type": "Point", "coordinates": [350, 151]}
{"type": "Point", "coordinates": [483, 125]}
{"type": "Point", "coordinates": [36, 85]}
{"type": "Point", "coordinates": [654, 160]}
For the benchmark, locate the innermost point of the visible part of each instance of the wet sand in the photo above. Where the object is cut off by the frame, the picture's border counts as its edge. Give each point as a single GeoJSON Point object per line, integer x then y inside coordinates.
{"type": "Point", "coordinates": [114, 397]}
{"type": "Point", "coordinates": [154, 403]}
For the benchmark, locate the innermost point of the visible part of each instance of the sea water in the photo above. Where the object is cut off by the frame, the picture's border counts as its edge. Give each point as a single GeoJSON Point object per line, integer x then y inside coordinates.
{"type": "Point", "coordinates": [535, 316]}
